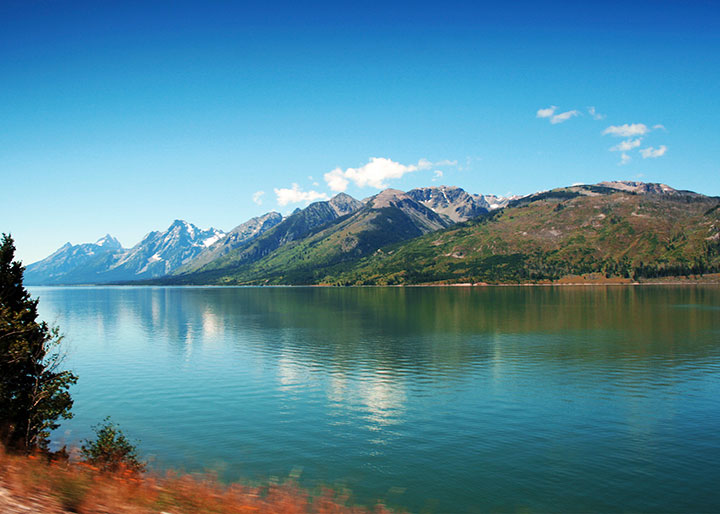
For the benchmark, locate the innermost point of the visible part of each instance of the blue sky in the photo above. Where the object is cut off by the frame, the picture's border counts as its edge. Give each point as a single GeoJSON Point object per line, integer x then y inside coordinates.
{"type": "Point", "coordinates": [122, 116]}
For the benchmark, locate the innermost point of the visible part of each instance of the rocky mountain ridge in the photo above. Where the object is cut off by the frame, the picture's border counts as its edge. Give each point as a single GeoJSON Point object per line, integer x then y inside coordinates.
{"type": "Point", "coordinates": [310, 242]}
{"type": "Point", "coordinates": [157, 254]}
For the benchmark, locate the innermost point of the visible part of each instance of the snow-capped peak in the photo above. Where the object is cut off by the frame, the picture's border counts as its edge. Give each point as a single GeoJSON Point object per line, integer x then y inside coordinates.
{"type": "Point", "coordinates": [108, 241]}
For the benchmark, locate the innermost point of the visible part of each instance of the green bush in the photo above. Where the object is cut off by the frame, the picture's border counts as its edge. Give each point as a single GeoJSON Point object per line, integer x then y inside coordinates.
{"type": "Point", "coordinates": [111, 451]}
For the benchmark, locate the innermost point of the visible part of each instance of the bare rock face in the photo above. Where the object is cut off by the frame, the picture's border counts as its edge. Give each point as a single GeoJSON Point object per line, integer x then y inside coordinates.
{"type": "Point", "coordinates": [237, 237]}
{"type": "Point", "coordinates": [344, 204]}
{"type": "Point", "coordinates": [639, 187]}
{"type": "Point", "coordinates": [70, 257]}
{"type": "Point", "coordinates": [299, 225]}
{"type": "Point", "coordinates": [160, 252]}
{"type": "Point", "coordinates": [424, 218]}
{"type": "Point", "coordinates": [451, 201]}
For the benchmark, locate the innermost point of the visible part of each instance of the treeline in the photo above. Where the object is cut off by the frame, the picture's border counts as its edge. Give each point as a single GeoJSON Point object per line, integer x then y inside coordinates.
{"type": "Point", "coordinates": [708, 263]}
{"type": "Point", "coordinates": [523, 268]}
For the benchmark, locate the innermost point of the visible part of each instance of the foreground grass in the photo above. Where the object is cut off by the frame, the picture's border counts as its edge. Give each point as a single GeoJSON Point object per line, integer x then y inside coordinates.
{"type": "Point", "coordinates": [34, 484]}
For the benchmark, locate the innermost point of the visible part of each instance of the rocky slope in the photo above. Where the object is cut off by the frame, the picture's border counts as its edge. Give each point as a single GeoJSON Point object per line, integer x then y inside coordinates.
{"type": "Point", "coordinates": [295, 227]}
{"type": "Point", "coordinates": [453, 202]}
{"type": "Point", "coordinates": [644, 232]}
{"type": "Point", "coordinates": [437, 234]}
{"type": "Point", "coordinates": [159, 253]}
{"type": "Point", "coordinates": [237, 237]}
{"type": "Point", "coordinates": [388, 217]}
{"type": "Point", "coordinates": [162, 252]}
{"type": "Point", "coordinates": [70, 258]}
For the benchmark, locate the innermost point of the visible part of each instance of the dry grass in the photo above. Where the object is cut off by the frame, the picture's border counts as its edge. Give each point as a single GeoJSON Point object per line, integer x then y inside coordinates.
{"type": "Point", "coordinates": [32, 484]}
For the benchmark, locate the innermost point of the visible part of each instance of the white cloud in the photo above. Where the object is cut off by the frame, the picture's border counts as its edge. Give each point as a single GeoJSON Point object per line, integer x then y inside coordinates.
{"type": "Point", "coordinates": [546, 113]}
{"type": "Point", "coordinates": [257, 197]}
{"type": "Point", "coordinates": [563, 116]}
{"type": "Point", "coordinates": [653, 153]}
{"type": "Point", "coordinates": [659, 127]}
{"type": "Point", "coordinates": [373, 174]}
{"type": "Point", "coordinates": [594, 114]}
{"type": "Point", "coordinates": [296, 195]}
{"type": "Point", "coordinates": [627, 145]}
{"type": "Point", "coordinates": [438, 174]}
{"type": "Point", "coordinates": [336, 180]}
{"type": "Point", "coordinates": [446, 162]}
{"type": "Point", "coordinates": [549, 112]}
{"type": "Point", "coordinates": [624, 159]}
{"type": "Point", "coordinates": [635, 129]}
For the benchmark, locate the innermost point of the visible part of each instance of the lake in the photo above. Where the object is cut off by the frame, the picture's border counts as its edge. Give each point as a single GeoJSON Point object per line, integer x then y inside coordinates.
{"type": "Point", "coordinates": [454, 399]}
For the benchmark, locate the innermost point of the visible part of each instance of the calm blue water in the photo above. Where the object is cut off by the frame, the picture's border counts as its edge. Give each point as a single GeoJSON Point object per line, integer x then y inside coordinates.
{"type": "Point", "coordinates": [431, 399]}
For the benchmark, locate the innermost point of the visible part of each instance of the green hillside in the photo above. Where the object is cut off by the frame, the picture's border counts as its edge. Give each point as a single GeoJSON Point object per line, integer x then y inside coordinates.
{"type": "Point", "coordinates": [327, 249]}
{"type": "Point", "coordinates": [548, 236]}
{"type": "Point", "coordinates": [567, 231]}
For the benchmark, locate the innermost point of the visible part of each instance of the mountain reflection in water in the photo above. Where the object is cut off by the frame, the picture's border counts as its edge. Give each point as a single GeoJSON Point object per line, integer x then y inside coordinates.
{"type": "Point", "coordinates": [461, 399]}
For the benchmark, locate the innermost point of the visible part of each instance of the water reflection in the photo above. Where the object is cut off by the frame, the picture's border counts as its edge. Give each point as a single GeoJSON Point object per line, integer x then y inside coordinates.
{"type": "Point", "coordinates": [458, 396]}
{"type": "Point", "coordinates": [345, 324]}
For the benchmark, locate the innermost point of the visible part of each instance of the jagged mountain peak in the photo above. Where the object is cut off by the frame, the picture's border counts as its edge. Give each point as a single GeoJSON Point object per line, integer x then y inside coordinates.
{"type": "Point", "coordinates": [181, 225]}
{"type": "Point", "coordinates": [108, 241]}
{"type": "Point", "coordinates": [239, 236]}
{"type": "Point", "coordinates": [451, 201]}
{"type": "Point", "coordinates": [343, 204]}
{"type": "Point", "coordinates": [387, 197]}
{"type": "Point", "coordinates": [161, 252]}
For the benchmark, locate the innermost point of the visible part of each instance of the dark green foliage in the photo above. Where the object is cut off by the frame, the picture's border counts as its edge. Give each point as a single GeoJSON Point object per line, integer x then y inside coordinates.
{"type": "Point", "coordinates": [33, 390]}
{"type": "Point", "coordinates": [111, 451]}
{"type": "Point", "coordinates": [603, 190]}
{"type": "Point", "coordinates": [547, 195]}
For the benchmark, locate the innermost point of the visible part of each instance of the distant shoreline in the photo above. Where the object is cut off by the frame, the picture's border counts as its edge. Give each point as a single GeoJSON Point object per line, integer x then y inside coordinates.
{"type": "Point", "coordinates": [711, 279]}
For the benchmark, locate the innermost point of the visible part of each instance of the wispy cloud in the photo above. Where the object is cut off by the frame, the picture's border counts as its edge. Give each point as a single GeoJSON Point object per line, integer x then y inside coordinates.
{"type": "Point", "coordinates": [546, 113]}
{"type": "Point", "coordinates": [549, 113]}
{"type": "Point", "coordinates": [594, 114]}
{"type": "Point", "coordinates": [627, 145]}
{"type": "Point", "coordinates": [257, 197]}
{"type": "Point", "coordinates": [373, 174]}
{"type": "Point", "coordinates": [564, 116]}
{"type": "Point", "coordinates": [627, 130]}
{"type": "Point", "coordinates": [437, 174]}
{"type": "Point", "coordinates": [296, 195]}
{"type": "Point", "coordinates": [653, 153]}
{"type": "Point", "coordinates": [631, 131]}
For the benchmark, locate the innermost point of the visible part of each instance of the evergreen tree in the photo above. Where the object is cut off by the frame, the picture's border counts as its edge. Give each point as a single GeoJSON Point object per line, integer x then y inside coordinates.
{"type": "Point", "coordinates": [33, 390]}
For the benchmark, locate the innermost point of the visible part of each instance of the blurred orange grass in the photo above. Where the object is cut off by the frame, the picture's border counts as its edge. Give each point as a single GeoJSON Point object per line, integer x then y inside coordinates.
{"type": "Point", "coordinates": [40, 484]}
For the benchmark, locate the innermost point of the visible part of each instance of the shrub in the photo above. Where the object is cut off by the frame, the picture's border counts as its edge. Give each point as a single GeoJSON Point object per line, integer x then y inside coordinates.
{"type": "Point", "coordinates": [111, 451]}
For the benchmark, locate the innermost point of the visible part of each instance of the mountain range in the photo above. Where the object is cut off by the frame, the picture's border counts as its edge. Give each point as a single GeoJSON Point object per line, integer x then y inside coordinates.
{"type": "Point", "coordinates": [159, 253]}
{"type": "Point", "coordinates": [427, 235]}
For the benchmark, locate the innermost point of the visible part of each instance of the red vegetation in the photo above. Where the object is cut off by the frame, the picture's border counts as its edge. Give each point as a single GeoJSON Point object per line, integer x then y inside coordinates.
{"type": "Point", "coordinates": [35, 484]}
